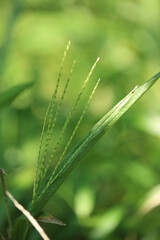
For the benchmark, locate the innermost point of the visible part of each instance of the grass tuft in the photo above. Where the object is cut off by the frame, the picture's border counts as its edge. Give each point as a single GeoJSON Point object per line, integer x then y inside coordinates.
{"type": "Point", "coordinates": [47, 182]}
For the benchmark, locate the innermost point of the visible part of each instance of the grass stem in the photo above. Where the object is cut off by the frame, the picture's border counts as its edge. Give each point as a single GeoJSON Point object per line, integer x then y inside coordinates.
{"type": "Point", "coordinates": [5, 200]}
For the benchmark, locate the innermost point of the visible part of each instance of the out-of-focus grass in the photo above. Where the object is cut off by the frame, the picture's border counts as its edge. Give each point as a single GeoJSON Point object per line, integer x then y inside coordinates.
{"type": "Point", "coordinates": [124, 166]}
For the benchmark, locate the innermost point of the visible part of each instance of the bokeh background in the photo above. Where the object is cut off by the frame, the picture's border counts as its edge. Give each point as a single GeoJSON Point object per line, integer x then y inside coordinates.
{"type": "Point", "coordinates": [115, 192]}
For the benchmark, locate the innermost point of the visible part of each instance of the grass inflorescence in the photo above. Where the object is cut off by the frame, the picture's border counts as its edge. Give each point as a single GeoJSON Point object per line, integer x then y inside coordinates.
{"type": "Point", "coordinates": [45, 157]}
{"type": "Point", "coordinates": [49, 179]}
{"type": "Point", "coordinates": [50, 171]}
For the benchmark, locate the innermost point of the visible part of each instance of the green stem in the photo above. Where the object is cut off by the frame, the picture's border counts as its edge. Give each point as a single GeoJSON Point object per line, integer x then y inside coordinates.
{"type": "Point", "coordinates": [5, 201]}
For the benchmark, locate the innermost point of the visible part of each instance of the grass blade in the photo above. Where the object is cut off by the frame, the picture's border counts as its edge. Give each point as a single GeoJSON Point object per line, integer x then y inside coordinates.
{"type": "Point", "coordinates": [72, 159]}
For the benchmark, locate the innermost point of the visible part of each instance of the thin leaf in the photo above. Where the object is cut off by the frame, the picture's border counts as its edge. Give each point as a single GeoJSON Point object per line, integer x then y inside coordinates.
{"type": "Point", "coordinates": [51, 219]}
{"type": "Point", "coordinates": [72, 159]}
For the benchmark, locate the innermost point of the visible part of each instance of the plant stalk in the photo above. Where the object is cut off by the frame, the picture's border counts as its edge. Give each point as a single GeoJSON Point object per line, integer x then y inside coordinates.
{"type": "Point", "coordinates": [5, 201]}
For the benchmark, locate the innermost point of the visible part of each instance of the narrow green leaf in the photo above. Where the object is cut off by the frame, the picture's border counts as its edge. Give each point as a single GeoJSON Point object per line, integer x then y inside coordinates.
{"type": "Point", "coordinates": [21, 229]}
{"type": "Point", "coordinates": [10, 94]}
{"type": "Point", "coordinates": [72, 159]}
{"type": "Point", "coordinates": [51, 219]}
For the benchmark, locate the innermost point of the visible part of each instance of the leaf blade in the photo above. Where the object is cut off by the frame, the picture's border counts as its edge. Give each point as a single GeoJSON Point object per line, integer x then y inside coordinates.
{"type": "Point", "coordinates": [72, 159]}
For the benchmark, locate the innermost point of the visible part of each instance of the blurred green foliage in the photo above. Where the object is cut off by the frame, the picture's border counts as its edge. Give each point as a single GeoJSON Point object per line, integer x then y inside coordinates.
{"type": "Point", "coordinates": [106, 197]}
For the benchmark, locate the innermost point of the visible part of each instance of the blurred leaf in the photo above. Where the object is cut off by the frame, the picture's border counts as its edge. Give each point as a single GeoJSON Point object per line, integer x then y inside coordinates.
{"type": "Point", "coordinates": [3, 171]}
{"type": "Point", "coordinates": [10, 94]}
{"type": "Point", "coordinates": [84, 201]}
{"type": "Point", "coordinates": [149, 123]}
{"type": "Point", "coordinates": [20, 227]}
{"type": "Point", "coordinates": [151, 200]}
{"type": "Point", "coordinates": [51, 219]}
{"type": "Point", "coordinates": [106, 223]}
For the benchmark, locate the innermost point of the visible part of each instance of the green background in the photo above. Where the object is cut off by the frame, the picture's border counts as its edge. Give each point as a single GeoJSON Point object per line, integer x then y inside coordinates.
{"type": "Point", "coordinates": [115, 192]}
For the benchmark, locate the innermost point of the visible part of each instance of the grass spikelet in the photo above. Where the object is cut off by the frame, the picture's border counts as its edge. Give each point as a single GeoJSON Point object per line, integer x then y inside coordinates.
{"type": "Point", "coordinates": [69, 118]}
{"type": "Point", "coordinates": [49, 115]}
{"type": "Point", "coordinates": [53, 176]}
{"type": "Point", "coordinates": [44, 170]}
{"type": "Point", "coordinates": [73, 133]}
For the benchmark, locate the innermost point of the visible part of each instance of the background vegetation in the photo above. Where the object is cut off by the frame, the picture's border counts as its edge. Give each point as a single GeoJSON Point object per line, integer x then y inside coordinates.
{"type": "Point", "coordinates": [114, 193]}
